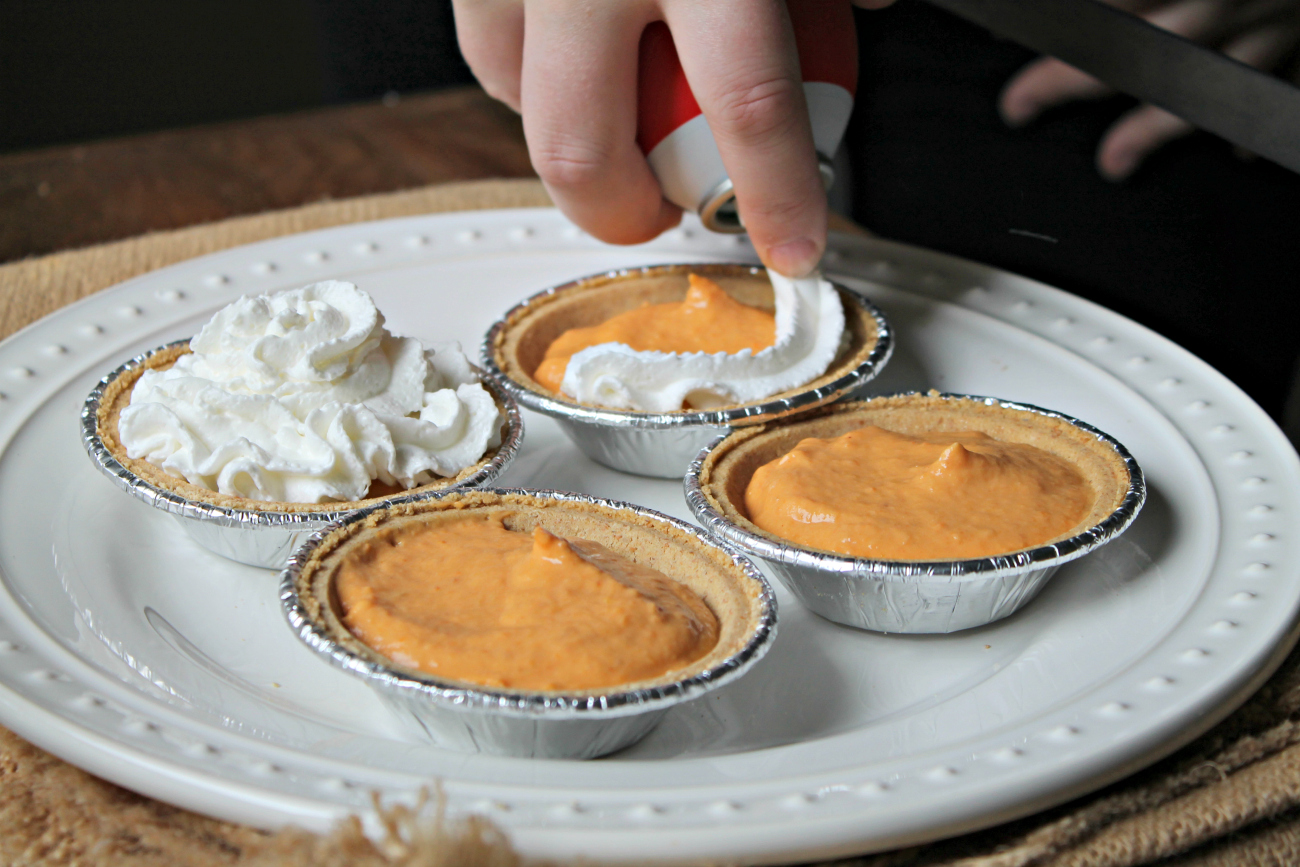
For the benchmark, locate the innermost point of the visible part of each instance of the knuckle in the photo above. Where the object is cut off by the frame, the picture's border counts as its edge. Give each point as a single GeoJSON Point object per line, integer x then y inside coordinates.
{"type": "Point", "coordinates": [569, 163]}
{"type": "Point", "coordinates": [759, 108]}
{"type": "Point", "coordinates": [779, 213]}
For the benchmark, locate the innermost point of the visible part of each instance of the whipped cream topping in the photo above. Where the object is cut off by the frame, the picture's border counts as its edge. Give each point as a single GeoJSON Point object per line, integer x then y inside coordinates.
{"type": "Point", "coordinates": [809, 328]}
{"type": "Point", "coordinates": [305, 397]}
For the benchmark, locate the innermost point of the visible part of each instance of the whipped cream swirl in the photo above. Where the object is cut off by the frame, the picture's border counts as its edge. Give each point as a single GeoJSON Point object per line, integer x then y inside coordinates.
{"type": "Point", "coordinates": [809, 330]}
{"type": "Point", "coordinates": [305, 397]}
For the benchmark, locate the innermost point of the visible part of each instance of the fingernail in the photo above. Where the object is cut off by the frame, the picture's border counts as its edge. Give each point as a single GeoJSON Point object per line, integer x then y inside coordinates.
{"type": "Point", "coordinates": [1018, 112]}
{"type": "Point", "coordinates": [1118, 165]}
{"type": "Point", "coordinates": [795, 258]}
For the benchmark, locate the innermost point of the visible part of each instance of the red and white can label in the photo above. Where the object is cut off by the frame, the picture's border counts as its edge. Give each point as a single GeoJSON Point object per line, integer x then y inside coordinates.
{"type": "Point", "coordinates": [673, 133]}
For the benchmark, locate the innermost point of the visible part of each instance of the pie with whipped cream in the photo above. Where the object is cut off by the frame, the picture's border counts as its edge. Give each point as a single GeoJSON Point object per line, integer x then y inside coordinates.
{"type": "Point", "coordinates": [117, 396]}
{"type": "Point", "coordinates": [827, 334]}
{"type": "Point", "coordinates": [300, 401]}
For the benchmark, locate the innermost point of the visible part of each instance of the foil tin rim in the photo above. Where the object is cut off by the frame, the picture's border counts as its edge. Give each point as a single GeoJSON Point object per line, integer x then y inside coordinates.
{"type": "Point", "coordinates": [912, 571]}
{"type": "Point", "coordinates": [174, 503]}
{"type": "Point", "coordinates": [517, 703]}
{"type": "Point", "coordinates": [633, 420]}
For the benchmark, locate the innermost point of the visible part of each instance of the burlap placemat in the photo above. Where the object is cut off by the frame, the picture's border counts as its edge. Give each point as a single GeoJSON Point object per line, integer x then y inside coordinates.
{"type": "Point", "coordinates": [1231, 797]}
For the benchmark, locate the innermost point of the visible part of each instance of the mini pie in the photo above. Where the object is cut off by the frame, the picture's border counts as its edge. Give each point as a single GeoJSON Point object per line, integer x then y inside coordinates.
{"type": "Point", "coordinates": [519, 346]}
{"type": "Point", "coordinates": [117, 396]}
{"type": "Point", "coordinates": [734, 598]}
{"type": "Point", "coordinates": [726, 472]}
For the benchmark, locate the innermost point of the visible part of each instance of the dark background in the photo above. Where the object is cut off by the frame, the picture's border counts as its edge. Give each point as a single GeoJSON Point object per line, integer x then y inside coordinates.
{"type": "Point", "coordinates": [74, 70]}
{"type": "Point", "coordinates": [1200, 245]}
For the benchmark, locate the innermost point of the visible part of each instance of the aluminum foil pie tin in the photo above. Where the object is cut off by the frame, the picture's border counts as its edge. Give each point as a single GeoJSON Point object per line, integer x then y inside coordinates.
{"type": "Point", "coordinates": [937, 596]}
{"type": "Point", "coordinates": [262, 538]}
{"type": "Point", "coordinates": [661, 445]}
{"type": "Point", "coordinates": [550, 725]}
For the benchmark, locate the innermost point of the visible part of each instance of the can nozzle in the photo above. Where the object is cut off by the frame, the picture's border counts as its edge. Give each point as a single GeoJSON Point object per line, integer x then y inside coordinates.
{"type": "Point", "coordinates": [718, 209]}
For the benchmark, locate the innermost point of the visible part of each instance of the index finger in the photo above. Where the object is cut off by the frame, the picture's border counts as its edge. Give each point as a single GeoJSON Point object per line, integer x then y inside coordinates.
{"type": "Point", "coordinates": [740, 60]}
{"type": "Point", "coordinates": [578, 94]}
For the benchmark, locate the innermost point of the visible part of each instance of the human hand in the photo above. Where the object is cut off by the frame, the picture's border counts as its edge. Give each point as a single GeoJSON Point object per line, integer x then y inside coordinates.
{"type": "Point", "coordinates": [570, 67]}
{"type": "Point", "coordinates": [1260, 33]}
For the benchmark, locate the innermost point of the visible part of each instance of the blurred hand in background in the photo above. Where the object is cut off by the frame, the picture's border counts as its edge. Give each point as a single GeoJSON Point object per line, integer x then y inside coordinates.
{"type": "Point", "coordinates": [1262, 33]}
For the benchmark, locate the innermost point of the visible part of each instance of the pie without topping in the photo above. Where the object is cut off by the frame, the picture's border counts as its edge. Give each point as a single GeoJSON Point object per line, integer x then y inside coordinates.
{"type": "Point", "coordinates": [1074, 457]}
{"type": "Point", "coordinates": [708, 573]}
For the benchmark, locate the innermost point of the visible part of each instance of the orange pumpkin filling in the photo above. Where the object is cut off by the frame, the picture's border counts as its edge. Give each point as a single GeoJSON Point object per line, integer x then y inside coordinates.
{"type": "Point", "coordinates": [942, 496]}
{"type": "Point", "coordinates": [471, 600]}
{"type": "Point", "coordinates": [706, 320]}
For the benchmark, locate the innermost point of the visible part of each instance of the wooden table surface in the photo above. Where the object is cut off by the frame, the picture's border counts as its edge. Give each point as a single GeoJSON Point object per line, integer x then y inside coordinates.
{"type": "Point", "coordinates": [65, 197]}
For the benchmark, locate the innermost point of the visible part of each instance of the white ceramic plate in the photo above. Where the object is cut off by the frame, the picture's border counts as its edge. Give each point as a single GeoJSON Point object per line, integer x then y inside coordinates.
{"type": "Point", "coordinates": [135, 654]}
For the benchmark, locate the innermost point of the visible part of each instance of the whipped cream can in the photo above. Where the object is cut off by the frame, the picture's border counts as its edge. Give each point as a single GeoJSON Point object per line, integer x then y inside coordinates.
{"type": "Point", "coordinates": [677, 141]}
